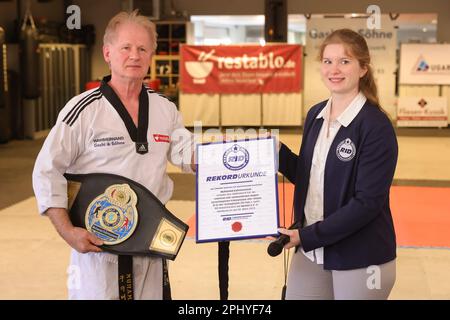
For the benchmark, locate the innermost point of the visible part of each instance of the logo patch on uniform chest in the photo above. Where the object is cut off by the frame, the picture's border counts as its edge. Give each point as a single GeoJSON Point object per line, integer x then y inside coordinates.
{"type": "Point", "coordinates": [108, 141]}
{"type": "Point", "coordinates": [346, 150]}
{"type": "Point", "coordinates": [161, 138]}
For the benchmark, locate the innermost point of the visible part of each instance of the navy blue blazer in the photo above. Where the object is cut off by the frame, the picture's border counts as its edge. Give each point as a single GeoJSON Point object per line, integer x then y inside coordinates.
{"type": "Point", "coordinates": [357, 230]}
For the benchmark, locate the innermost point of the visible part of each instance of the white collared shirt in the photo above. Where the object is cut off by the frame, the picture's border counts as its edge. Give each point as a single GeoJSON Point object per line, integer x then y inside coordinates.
{"type": "Point", "coordinates": [314, 198]}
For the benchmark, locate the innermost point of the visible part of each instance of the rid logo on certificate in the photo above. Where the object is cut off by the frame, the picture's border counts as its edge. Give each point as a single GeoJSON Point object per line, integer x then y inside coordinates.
{"type": "Point", "coordinates": [237, 194]}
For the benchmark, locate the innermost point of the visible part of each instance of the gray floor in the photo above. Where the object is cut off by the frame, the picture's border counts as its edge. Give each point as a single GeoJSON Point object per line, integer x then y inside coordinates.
{"type": "Point", "coordinates": [16, 165]}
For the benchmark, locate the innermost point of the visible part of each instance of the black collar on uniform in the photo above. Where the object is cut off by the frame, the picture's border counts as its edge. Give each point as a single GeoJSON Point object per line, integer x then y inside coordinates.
{"type": "Point", "coordinates": [139, 134]}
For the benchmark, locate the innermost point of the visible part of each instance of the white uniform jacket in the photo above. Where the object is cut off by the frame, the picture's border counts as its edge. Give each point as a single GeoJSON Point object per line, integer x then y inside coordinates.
{"type": "Point", "coordinates": [95, 134]}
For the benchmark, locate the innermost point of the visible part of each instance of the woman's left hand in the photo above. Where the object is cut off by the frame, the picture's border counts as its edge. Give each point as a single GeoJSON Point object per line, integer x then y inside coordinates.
{"type": "Point", "coordinates": [294, 237]}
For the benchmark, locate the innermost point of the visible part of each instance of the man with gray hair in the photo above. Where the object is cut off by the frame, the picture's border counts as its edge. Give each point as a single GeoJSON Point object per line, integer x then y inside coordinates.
{"type": "Point", "coordinates": [121, 128]}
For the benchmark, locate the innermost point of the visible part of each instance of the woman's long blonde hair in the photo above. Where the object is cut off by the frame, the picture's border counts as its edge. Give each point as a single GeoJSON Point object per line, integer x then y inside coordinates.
{"type": "Point", "coordinates": [357, 48]}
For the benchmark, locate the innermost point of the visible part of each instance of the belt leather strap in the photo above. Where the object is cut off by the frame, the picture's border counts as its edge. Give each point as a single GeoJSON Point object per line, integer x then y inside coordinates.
{"type": "Point", "coordinates": [126, 282]}
{"type": "Point", "coordinates": [167, 294]}
{"type": "Point", "coordinates": [224, 255]}
{"type": "Point", "coordinates": [126, 278]}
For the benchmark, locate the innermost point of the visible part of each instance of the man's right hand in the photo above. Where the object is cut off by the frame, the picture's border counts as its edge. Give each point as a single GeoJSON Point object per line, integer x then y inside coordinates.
{"type": "Point", "coordinates": [82, 240]}
{"type": "Point", "coordinates": [78, 238]}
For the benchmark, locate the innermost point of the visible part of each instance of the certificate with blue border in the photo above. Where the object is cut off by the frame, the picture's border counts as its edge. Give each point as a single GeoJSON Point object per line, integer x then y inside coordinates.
{"type": "Point", "coordinates": [236, 190]}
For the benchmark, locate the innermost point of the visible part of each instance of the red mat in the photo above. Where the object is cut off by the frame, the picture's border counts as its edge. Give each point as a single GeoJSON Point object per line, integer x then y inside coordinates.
{"type": "Point", "coordinates": [421, 216]}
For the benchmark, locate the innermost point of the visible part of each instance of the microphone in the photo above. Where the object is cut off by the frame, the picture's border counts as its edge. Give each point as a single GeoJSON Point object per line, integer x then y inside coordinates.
{"type": "Point", "coordinates": [275, 247]}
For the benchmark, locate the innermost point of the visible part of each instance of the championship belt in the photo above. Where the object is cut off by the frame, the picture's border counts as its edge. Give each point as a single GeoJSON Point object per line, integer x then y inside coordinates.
{"type": "Point", "coordinates": [126, 216]}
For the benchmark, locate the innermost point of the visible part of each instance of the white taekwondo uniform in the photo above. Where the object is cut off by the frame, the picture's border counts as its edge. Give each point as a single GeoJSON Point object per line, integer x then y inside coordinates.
{"type": "Point", "coordinates": [94, 133]}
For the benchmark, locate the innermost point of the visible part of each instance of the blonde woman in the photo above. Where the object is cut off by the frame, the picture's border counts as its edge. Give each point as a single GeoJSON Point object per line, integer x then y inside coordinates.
{"type": "Point", "coordinates": [345, 247]}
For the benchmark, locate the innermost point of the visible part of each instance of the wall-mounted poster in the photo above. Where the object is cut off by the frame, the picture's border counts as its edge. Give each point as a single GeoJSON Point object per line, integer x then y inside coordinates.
{"type": "Point", "coordinates": [425, 64]}
{"type": "Point", "coordinates": [422, 112]}
{"type": "Point", "coordinates": [246, 69]}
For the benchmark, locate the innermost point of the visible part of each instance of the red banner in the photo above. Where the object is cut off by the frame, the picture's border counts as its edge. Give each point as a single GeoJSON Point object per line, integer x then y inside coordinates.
{"type": "Point", "coordinates": [241, 69]}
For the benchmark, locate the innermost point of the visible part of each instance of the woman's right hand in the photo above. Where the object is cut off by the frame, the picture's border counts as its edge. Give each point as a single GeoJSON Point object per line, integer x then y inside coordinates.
{"type": "Point", "coordinates": [294, 237]}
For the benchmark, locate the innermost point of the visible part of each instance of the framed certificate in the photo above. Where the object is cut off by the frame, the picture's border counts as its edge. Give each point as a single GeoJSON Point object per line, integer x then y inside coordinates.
{"type": "Point", "coordinates": [237, 193]}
